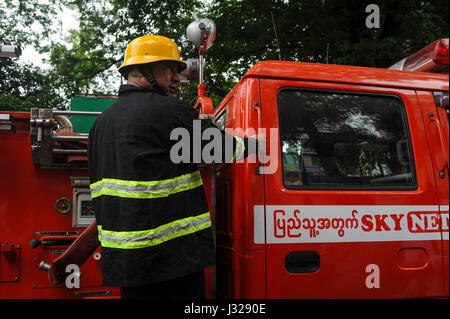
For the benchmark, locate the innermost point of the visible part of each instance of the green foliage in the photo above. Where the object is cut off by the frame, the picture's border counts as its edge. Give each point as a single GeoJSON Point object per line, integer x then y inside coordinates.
{"type": "Point", "coordinates": [24, 87]}
{"type": "Point", "coordinates": [308, 30]}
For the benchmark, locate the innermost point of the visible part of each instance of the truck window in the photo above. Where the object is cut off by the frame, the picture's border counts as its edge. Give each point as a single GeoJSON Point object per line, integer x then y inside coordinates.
{"type": "Point", "coordinates": [342, 140]}
{"type": "Point", "coordinates": [221, 119]}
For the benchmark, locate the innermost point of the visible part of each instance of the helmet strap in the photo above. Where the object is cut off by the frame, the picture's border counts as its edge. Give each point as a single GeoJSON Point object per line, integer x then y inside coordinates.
{"type": "Point", "coordinates": [148, 74]}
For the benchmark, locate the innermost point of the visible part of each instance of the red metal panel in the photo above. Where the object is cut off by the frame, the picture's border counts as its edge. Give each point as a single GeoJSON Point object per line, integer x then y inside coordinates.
{"type": "Point", "coordinates": [9, 262]}
{"type": "Point", "coordinates": [343, 265]}
{"type": "Point", "coordinates": [436, 123]}
{"type": "Point", "coordinates": [27, 198]}
{"type": "Point", "coordinates": [241, 263]}
{"type": "Point", "coordinates": [349, 74]}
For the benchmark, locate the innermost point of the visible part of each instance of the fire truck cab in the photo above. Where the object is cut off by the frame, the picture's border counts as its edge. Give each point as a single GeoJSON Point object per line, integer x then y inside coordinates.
{"type": "Point", "coordinates": [350, 201]}
{"type": "Point", "coordinates": [354, 200]}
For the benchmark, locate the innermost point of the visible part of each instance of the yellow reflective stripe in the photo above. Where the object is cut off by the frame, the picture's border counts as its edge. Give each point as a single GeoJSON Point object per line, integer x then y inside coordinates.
{"type": "Point", "coordinates": [95, 184]}
{"type": "Point", "coordinates": [146, 189]}
{"type": "Point", "coordinates": [239, 150]}
{"type": "Point", "coordinates": [156, 236]}
{"type": "Point", "coordinates": [144, 183]}
{"type": "Point", "coordinates": [99, 231]}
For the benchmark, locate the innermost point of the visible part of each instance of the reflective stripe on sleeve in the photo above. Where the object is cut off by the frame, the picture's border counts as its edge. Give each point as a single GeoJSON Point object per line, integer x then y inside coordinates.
{"type": "Point", "coordinates": [240, 149]}
{"type": "Point", "coordinates": [153, 237]}
{"type": "Point", "coordinates": [146, 189]}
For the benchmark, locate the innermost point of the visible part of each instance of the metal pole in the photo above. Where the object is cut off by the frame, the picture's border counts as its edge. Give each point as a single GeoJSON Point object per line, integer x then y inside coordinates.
{"type": "Point", "coordinates": [76, 113]}
{"type": "Point", "coordinates": [70, 138]}
{"type": "Point", "coordinates": [200, 71]}
{"type": "Point", "coordinates": [62, 151]}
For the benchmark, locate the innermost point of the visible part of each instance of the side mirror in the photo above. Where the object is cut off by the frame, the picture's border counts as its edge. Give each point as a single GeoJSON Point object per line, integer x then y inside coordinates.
{"type": "Point", "coordinates": [441, 99]}
{"type": "Point", "coordinates": [201, 32]}
{"type": "Point", "coordinates": [444, 102]}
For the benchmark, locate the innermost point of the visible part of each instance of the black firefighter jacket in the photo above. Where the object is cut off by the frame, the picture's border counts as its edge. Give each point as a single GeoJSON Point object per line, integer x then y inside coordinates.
{"type": "Point", "coordinates": [152, 215]}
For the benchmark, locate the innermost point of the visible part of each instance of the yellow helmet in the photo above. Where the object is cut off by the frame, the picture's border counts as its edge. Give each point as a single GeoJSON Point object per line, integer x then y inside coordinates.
{"type": "Point", "coordinates": [152, 48]}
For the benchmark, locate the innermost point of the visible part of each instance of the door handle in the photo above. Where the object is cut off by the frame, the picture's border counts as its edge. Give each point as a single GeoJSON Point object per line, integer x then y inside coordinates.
{"type": "Point", "coordinates": [52, 241]}
{"type": "Point", "coordinates": [302, 261]}
{"type": "Point", "coordinates": [257, 108]}
{"type": "Point", "coordinates": [444, 165]}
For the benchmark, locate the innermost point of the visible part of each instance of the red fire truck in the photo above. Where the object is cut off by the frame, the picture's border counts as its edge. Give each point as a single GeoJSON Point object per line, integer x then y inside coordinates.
{"type": "Point", "coordinates": [351, 201]}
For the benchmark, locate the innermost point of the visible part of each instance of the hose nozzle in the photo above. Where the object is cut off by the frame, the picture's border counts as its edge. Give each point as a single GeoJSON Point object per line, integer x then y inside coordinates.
{"type": "Point", "coordinates": [44, 266]}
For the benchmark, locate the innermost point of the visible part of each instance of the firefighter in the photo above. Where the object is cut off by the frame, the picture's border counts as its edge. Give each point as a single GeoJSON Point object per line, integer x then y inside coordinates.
{"type": "Point", "coordinates": [152, 215]}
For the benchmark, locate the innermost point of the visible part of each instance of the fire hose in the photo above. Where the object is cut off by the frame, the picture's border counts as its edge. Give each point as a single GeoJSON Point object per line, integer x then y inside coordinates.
{"type": "Point", "coordinates": [77, 253]}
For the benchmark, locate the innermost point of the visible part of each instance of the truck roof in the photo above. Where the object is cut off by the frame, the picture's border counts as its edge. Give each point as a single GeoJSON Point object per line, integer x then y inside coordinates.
{"type": "Point", "coordinates": [349, 75]}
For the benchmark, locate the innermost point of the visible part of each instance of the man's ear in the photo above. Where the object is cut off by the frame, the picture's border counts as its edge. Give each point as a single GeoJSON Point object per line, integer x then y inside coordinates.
{"type": "Point", "coordinates": [135, 73]}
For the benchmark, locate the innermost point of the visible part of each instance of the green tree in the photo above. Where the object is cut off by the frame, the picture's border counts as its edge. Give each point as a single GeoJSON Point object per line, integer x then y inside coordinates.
{"type": "Point", "coordinates": [307, 30]}
{"type": "Point", "coordinates": [23, 86]}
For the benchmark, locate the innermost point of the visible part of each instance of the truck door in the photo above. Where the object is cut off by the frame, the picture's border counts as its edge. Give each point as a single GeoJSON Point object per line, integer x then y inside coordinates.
{"type": "Point", "coordinates": [345, 209]}
{"type": "Point", "coordinates": [434, 107]}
